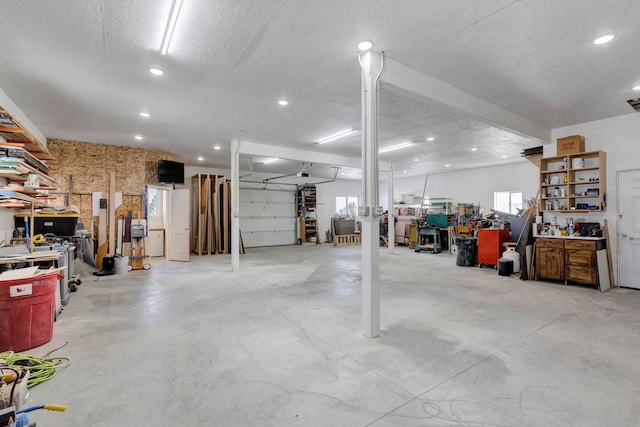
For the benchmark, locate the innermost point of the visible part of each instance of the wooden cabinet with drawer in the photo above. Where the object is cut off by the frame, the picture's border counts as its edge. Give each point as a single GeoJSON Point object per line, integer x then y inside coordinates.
{"type": "Point", "coordinates": [580, 261]}
{"type": "Point", "coordinates": [571, 260]}
{"type": "Point", "coordinates": [549, 259]}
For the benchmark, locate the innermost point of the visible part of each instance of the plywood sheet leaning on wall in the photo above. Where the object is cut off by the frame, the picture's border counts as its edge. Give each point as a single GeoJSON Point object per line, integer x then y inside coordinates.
{"type": "Point", "coordinates": [226, 217]}
{"type": "Point", "coordinates": [215, 206]}
{"type": "Point", "coordinates": [195, 211]}
{"type": "Point", "coordinates": [207, 212]}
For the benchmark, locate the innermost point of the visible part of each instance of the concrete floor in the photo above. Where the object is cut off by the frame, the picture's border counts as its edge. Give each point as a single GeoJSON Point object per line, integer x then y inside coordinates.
{"type": "Point", "coordinates": [280, 344]}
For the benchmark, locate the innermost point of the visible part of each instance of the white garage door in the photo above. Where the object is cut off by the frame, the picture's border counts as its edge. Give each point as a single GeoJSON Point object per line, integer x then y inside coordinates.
{"type": "Point", "coordinates": [267, 217]}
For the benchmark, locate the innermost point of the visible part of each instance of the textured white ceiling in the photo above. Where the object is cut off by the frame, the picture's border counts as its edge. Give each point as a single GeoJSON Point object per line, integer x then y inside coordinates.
{"type": "Point", "coordinates": [79, 70]}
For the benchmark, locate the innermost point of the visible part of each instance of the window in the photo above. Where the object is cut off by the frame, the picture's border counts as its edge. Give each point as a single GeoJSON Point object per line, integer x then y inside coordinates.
{"type": "Point", "coordinates": [507, 201]}
{"type": "Point", "coordinates": [347, 206]}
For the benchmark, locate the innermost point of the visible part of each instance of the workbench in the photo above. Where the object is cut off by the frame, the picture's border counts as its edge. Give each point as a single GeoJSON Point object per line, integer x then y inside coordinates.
{"type": "Point", "coordinates": [429, 240]}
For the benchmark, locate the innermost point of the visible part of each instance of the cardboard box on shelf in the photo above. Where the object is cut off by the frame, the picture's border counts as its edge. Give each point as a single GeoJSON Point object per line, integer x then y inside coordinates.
{"type": "Point", "coordinates": [570, 145]}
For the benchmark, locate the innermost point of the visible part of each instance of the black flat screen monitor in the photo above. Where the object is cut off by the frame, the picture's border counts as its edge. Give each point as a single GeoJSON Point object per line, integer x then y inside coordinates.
{"type": "Point", "coordinates": [170, 172]}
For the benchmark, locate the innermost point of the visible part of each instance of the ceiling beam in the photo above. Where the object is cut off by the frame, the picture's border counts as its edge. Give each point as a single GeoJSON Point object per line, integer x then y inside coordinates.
{"type": "Point", "coordinates": [265, 150]}
{"type": "Point", "coordinates": [406, 81]}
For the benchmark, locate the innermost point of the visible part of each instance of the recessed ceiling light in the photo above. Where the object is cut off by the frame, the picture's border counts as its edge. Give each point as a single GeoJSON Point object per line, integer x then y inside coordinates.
{"type": "Point", "coordinates": [145, 115]}
{"type": "Point", "coordinates": [200, 158]}
{"type": "Point", "coordinates": [283, 102]}
{"type": "Point", "coordinates": [474, 149]}
{"type": "Point", "coordinates": [404, 171]}
{"type": "Point", "coordinates": [430, 138]}
{"type": "Point", "coordinates": [266, 162]}
{"type": "Point", "coordinates": [604, 39]}
{"type": "Point", "coordinates": [415, 160]}
{"type": "Point", "coordinates": [504, 157]}
{"type": "Point", "coordinates": [447, 165]}
{"type": "Point", "coordinates": [156, 71]}
{"type": "Point", "coordinates": [394, 147]}
{"type": "Point", "coordinates": [636, 87]}
{"type": "Point", "coordinates": [335, 136]}
{"type": "Point", "coordinates": [138, 137]}
{"type": "Point", "coordinates": [365, 45]}
{"type": "Point", "coordinates": [216, 147]}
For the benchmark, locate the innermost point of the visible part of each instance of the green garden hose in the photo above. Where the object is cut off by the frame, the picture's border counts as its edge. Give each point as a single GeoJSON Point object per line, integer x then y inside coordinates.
{"type": "Point", "coordinates": [40, 370]}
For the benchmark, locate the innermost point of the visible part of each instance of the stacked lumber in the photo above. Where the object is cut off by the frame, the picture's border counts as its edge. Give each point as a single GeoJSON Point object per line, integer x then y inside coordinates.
{"type": "Point", "coordinates": [210, 214]}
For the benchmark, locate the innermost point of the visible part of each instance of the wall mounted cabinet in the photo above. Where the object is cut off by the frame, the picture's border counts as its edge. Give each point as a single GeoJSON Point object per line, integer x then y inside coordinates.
{"type": "Point", "coordinates": [574, 183]}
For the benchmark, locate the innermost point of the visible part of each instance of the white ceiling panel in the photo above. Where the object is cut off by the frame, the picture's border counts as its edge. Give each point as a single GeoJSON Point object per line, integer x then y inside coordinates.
{"type": "Point", "coordinates": [79, 70]}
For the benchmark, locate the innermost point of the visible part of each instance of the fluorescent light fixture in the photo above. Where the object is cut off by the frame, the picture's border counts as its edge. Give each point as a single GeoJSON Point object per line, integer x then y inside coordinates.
{"type": "Point", "coordinates": [171, 26]}
{"type": "Point", "coordinates": [145, 114]}
{"type": "Point", "coordinates": [266, 162]}
{"type": "Point", "coordinates": [404, 171]}
{"type": "Point", "coordinates": [216, 147]}
{"type": "Point", "coordinates": [474, 149]}
{"type": "Point", "coordinates": [604, 39]}
{"type": "Point", "coordinates": [415, 160]}
{"type": "Point", "coordinates": [283, 102]}
{"type": "Point", "coordinates": [430, 138]}
{"type": "Point", "coordinates": [394, 147]}
{"type": "Point", "coordinates": [636, 87]}
{"type": "Point", "coordinates": [447, 165]}
{"type": "Point", "coordinates": [138, 137]}
{"type": "Point", "coordinates": [200, 158]}
{"type": "Point", "coordinates": [504, 157]}
{"type": "Point", "coordinates": [335, 136]}
{"type": "Point", "coordinates": [365, 45]}
{"type": "Point", "coordinates": [156, 71]}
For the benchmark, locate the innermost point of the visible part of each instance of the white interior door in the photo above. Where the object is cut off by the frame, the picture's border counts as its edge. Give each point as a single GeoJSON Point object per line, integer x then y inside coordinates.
{"type": "Point", "coordinates": [629, 229]}
{"type": "Point", "coordinates": [178, 248]}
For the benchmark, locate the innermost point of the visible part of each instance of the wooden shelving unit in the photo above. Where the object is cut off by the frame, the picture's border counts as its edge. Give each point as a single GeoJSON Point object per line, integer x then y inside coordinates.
{"type": "Point", "coordinates": [27, 187]}
{"type": "Point", "coordinates": [16, 169]}
{"type": "Point", "coordinates": [574, 183]}
{"type": "Point", "coordinates": [306, 200]}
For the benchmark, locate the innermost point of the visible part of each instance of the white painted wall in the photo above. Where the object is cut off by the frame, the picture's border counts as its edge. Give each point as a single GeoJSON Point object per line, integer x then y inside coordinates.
{"type": "Point", "coordinates": [470, 185]}
{"type": "Point", "coordinates": [619, 137]}
{"type": "Point", "coordinates": [326, 194]}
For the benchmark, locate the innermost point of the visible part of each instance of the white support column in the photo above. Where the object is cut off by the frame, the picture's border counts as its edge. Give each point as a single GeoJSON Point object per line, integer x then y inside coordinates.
{"type": "Point", "coordinates": [391, 227]}
{"type": "Point", "coordinates": [235, 205]}
{"type": "Point", "coordinates": [371, 63]}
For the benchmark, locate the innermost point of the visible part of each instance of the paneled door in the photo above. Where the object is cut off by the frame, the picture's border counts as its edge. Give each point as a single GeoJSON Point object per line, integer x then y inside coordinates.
{"type": "Point", "coordinates": [178, 247]}
{"type": "Point", "coordinates": [629, 229]}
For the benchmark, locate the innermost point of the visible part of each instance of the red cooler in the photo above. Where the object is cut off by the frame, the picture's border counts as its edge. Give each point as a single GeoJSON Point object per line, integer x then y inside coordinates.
{"type": "Point", "coordinates": [27, 308]}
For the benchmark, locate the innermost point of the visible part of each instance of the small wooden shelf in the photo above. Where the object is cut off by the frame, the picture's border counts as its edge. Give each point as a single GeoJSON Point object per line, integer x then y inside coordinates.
{"type": "Point", "coordinates": [306, 197]}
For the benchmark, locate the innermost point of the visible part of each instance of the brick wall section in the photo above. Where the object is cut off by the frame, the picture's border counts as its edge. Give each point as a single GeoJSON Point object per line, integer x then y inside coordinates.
{"type": "Point", "coordinates": [89, 164]}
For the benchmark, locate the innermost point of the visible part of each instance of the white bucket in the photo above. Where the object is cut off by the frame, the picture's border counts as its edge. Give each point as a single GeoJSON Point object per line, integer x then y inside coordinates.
{"type": "Point", "coordinates": [121, 264]}
{"type": "Point", "coordinates": [511, 254]}
{"type": "Point", "coordinates": [577, 163]}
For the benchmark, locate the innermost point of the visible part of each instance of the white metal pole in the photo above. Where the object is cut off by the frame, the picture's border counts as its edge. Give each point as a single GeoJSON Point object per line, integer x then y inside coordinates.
{"type": "Point", "coordinates": [371, 64]}
{"type": "Point", "coordinates": [391, 233]}
{"type": "Point", "coordinates": [235, 205]}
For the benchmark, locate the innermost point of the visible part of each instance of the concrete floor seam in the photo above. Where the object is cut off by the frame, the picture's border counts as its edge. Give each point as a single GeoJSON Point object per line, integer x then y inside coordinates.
{"type": "Point", "coordinates": [368, 368]}
{"type": "Point", "coordinates": [469, 368]}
